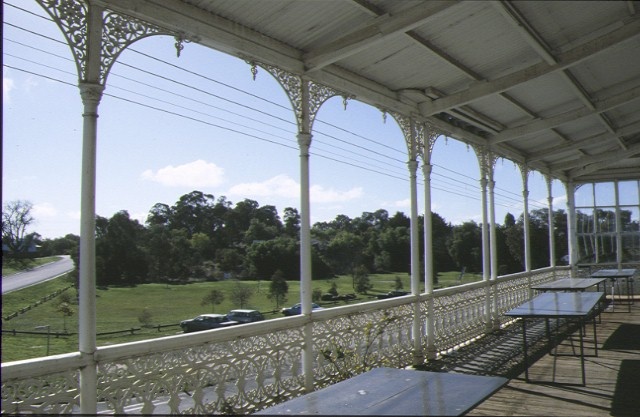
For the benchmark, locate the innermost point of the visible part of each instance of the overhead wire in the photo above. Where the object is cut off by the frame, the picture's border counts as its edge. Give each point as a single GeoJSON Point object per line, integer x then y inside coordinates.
{"type": "Point", "coordinates": [447, 181]}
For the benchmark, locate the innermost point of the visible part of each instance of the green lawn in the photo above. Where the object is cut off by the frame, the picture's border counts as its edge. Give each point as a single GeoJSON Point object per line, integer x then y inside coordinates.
{"type": "Point", "coordinates": [118, 308]}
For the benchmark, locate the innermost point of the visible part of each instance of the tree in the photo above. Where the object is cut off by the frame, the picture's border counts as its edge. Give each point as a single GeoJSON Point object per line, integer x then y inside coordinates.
{"type": "Point", "coordinates": [291, 221]}
{"type": "Point", "coordinates": [398, 283]}
{"type": "Point", "coordinates": [16, 218]}
{"type": "Point", "coordinates": [119, 255]}
{"type": "Point", "coordinates": [278, 289]}
{"type": "Point", "coordinates": [67, 311]}
{"type": "Point", "coordinates": [465, 246]}
{"type": "Point", "coordinates": [361, 282]}
{"type": "Point", "coordinates": [241, 294]}
{"type": "Point", "coordinates": [60, 246]}
{"type": "Point", "coordinates": [441, 232]}
{"type": "Point", "coordinates": [215, 297]}
{"type": "Point", "coordinates": [264, 258]}
{"type": "Point", "coordinates": [344, 252]}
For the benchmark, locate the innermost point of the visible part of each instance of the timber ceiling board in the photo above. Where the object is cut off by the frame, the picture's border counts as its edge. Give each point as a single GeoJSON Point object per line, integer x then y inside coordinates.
{"type": "Point", "coordinates": [554, 84]}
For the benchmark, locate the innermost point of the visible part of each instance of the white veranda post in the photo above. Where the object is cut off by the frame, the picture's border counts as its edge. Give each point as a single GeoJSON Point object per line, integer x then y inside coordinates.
{"type": "Point", "coordinates": [481, 154]}
{"type": "Point", "coordinates": [552, 227]}
{"type": "Point", "coordinates": [427, 141]}
{"type": "Point", "coordinates": [411, 132]}
{"type": "Point", "coordinates": [306, 97]}
{"type": "Point", "coordinates": [96, 37]}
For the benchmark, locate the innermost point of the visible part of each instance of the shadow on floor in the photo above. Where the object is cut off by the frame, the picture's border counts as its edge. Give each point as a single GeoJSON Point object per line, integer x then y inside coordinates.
{"type": "Point", "coordinates": [626, 337]}
{"type": "Point", "coordinates": [499, 353]}
{"type": "Point", "coordinates": [625, 398]}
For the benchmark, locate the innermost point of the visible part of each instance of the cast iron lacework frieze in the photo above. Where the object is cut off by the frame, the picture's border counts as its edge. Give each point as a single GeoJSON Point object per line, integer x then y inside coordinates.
{"type": "Point", "coordinates": [118, 32]}
{"type": "Point", "coordinates": [293, 85]}
{"type": "Point", "coordinates": [71, 17]}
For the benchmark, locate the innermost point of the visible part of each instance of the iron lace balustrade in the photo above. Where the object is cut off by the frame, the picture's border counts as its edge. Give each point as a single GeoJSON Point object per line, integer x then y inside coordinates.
{"type": "Point", "coordinates": [244, 369]}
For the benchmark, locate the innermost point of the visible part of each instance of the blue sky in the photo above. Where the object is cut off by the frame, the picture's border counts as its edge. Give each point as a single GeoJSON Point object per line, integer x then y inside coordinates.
{"type": "Point", "coordinates": [172, 125]}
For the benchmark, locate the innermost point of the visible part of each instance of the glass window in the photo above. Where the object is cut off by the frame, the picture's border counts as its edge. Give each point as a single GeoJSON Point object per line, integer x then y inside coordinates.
{"type": "Point", "coordinates": [606, 219]}
{"type": "Point", "coordinates": [628, 193]}
{"type": "Point", "coordinates": [584, 195]}
{"type": "Point", "coordinates": [596, 222]}
{"type": "Point", "coordinates": [585, 221]}
{"type": "Point", "coordinates": [605, 194]}
{"type": "Point", "coordinates": [630, 219]}
{"type": "Point", "coordinates": [607, 248]}
{"type": "Point", "coordinates": [586, 249]}
{"type": "Point", "coordinates": [631, 247]}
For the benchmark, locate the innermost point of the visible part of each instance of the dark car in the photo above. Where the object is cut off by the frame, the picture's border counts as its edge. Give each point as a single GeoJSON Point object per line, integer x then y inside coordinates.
{"type": "Point", "coordinates": [206, 322]}
{"type": "Point", "coordinates": [245, 316]}
{"type": "Point", "coordinates": [295, 309]}
{"type": "Point", "coordinates": [391, 294]}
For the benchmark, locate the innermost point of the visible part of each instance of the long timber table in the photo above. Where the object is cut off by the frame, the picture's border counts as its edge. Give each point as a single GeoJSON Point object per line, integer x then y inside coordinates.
{"type": "Point", "coordinates": [578, 306]}
{"type": "Point", "coordinates": [614, 275]}
{"type": "Point", "coordinates": [395, 392]}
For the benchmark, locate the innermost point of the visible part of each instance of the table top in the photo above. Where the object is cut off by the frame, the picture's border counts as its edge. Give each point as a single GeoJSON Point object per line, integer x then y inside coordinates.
{"type": "Point", "coordinates": [568, 284]}
{"type": "Point", "coordinates": [614, 273]}
{"type": "Point", "coordinates": [558, 304]}
{"type": "Point", "coordinates": [387, 391]}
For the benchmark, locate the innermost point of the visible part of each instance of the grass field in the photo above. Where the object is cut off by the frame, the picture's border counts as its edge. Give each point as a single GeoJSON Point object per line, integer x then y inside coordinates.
{"type": "Point", "coordinates": [118, 309]}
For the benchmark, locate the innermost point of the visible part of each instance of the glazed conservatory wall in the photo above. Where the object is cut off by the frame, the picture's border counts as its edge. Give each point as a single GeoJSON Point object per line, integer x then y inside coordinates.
{"type": "Point", "coordinates": [608, 218]}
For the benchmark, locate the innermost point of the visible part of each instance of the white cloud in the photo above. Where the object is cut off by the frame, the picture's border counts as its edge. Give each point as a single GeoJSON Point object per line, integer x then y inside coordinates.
{"type": "Point", "coordinates": [7, 85]}
{"type": "Point", "coordinates": [406, 203]}
{"type": "Point", "coordinates": [74, 215]}
{"type": "Point", "coordinates": [321, 195]}
{"type": "Point", "coordinates": [30, 84]}
{"type": "Point", "coordinates": [279, 186]}
{"type": "Point", "coordinates": [44, 210]}
{"type": "Point", "coordinates": [193, 174]}
{"type": "Point", "coordinates": [286, 187]}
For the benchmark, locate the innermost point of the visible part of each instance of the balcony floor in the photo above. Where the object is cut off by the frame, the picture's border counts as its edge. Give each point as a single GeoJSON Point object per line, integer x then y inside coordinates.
{"type": "Point", "coordinates": [612, 378]}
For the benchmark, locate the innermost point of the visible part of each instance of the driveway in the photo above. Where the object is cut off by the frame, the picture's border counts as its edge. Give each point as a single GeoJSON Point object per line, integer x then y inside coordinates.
{"type": "Point", "coordinates": [37, 275]}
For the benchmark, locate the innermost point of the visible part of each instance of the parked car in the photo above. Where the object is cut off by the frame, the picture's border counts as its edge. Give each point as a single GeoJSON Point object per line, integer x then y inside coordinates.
{"type": "Point", "coordinates": [245, 316]}
{"type": "Point", "coordinates": [206, 322]}
{"type": "Point", "coordinates": [391, 294]}
{"type": "Point", "coordinates": [296, 308]}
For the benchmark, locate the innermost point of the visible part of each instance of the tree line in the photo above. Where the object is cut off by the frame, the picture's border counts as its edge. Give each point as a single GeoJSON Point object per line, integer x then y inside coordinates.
{"type": "Point", "coordinates": [203, 237]}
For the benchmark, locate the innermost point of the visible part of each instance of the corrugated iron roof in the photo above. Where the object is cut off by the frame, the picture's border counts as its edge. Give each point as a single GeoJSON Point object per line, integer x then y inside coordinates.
{"type": "Point", "coordinates": [553, 84]}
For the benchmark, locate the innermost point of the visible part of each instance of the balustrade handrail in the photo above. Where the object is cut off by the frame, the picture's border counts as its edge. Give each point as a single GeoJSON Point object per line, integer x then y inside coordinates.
{"type": "Point", "coordinates": [182, 341]}
{"type": "Point", "coordinates": [467, 319]}
{"type": "Point", "coordinates": [36, 367]}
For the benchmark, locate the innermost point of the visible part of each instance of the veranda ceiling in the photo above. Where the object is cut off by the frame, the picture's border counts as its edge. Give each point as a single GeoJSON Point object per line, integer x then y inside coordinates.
{"type": "Point", "coordinates": [552, 84]}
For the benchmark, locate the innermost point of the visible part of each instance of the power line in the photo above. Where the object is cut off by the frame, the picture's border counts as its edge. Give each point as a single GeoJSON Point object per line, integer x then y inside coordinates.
{"type": "Point", "coordinates": [332, 158]}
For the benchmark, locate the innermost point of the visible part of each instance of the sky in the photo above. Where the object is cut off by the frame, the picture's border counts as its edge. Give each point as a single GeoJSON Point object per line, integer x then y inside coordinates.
{"type": "Point", "coordinates": [170, 125]}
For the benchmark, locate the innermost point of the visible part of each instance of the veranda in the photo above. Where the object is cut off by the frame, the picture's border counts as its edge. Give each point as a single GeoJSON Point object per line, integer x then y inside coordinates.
{"type": "Point", "coordinates": [248, 368]}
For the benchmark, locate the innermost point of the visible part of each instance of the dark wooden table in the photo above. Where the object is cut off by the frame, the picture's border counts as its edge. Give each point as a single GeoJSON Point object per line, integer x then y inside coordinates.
{"type": "Point", "coordinates": [393, 392]}
{"type": "Point", "coordinates": [614, 275]}
{"type": "Point", "coordinates": [578, 306]}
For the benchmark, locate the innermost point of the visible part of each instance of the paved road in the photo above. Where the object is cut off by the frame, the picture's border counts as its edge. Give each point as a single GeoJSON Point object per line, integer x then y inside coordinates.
{"type": "Point", "coordinates": [36, 275]}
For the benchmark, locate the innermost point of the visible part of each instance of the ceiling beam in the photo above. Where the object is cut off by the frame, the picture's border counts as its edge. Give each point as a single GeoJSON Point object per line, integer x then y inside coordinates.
{"type": "Point", "coordinates": [565, 60]}
{"type": "Point", "coordinates": [528, 33]}
{"type": "Point", "coordinates": [559, 119]}
{"type": "Point", "coordinates": [519, 22]}
{"type": "Point", "coordinates": [568, 147]}
{"type": "Point", "coordinates": [592, 163]}
{"type": "Point", "coordinates": [380, 29]}
{"type": "Point", "coordinates": [601, 161]}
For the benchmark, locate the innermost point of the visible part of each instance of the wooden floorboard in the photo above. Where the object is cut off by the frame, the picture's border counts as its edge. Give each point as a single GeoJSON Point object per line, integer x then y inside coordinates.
{"type": "Point", "coordinates": [612, 378]}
